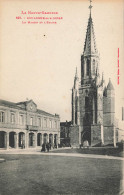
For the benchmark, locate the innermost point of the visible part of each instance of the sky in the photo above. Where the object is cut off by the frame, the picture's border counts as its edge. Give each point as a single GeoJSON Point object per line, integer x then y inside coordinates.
{"type": "Point", "coordinates": [38, 61]}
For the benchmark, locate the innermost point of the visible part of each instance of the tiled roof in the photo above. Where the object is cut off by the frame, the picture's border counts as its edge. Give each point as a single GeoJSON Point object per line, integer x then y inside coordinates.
{"type": "Point", "coordinates": [9, 104]}
{"type": "Point", "coordinates": [14, 105]}
{"type": "Point", "coordinates": [44, 113]}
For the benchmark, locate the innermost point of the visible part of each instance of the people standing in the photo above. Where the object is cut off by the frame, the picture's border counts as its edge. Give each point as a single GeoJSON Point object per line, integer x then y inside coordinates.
{"type": "Point", "coordinates": [43, 147]}
{"type": "Point", "coordinates": [47, 147]}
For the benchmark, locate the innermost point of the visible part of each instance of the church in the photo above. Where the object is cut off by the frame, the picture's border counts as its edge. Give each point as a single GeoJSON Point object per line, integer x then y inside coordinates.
{"type": "Point", "coordinates": [93, 103]}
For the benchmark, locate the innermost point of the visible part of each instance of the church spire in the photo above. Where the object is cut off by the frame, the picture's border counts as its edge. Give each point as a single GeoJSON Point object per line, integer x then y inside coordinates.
{"type": "Point", "coordinates": [76, 75]}
{"type": "Point", "coordinates": [90, 57]}
{"type": "Point", "coordinates": [90, 42]}
{"type": "Point", "coordinates": [90, 7]}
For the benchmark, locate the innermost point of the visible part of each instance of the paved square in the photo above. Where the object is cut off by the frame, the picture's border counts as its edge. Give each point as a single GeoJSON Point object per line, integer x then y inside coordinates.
{"type": "Point", "coordinates": [46, 174]}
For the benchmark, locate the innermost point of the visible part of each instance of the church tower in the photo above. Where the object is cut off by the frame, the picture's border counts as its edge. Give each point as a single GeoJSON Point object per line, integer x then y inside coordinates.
{"type": "Point", "coordinates": [91, 90]}
{"type": "Point", "coordinates": [92, 107]}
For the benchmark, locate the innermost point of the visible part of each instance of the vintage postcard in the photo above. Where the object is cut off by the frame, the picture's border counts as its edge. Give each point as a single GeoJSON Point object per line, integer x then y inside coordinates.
{"type": "Point", "coordinates": [61, 97]}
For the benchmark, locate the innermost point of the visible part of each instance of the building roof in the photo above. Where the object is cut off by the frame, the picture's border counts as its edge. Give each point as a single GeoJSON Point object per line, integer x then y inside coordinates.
{"type": "Point", "coordinates": [65, 124]}
{"type": "Point", "coordinates": [90, 42]}
{"type": "Point", "coordinates": [15, 105]}
{"type": "Point", "coordinates": [10, 104]}
{"type": "Point", "coordinates": [44, 113]}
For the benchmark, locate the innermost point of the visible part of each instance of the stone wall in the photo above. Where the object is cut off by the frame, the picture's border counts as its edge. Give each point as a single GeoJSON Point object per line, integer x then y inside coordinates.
{"type": "Point", "coordinates": [74, 136]}
{"type": "Point", "coordinates": [108, 135]}
{"type": "Point", "coordinates": [95, 134]}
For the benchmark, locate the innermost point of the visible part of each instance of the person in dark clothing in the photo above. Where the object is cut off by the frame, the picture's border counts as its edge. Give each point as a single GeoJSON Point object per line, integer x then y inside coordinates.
{"type": "Point", "coordinates": [47, 147]}
{"type": "Point", "coordinates": [43, 148]}
{"type": "Point", "coordinates": [50, 146]}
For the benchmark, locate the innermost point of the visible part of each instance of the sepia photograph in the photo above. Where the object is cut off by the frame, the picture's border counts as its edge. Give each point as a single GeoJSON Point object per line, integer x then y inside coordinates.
{"type": "Point", "coordinates": [61, 97]}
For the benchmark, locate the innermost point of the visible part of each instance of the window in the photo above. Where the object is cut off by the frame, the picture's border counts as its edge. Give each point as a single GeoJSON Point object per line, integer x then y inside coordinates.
{"type": "Point", "coordinates": [55, 124]}
{"type": "Point", "coordinates": [31, 121]}
{"type": "Point", "coordinates": [45, 122]}
{"type": "Point", "coordinates": [2, 117]}
{"type": "Point", "coordinates": [39, 122]}
{"type": "Point", "coordinates": [87, 118]}
{"type": "Point", "coordinates": [86, 102]}
{"type": "Point", "coordinates": [12, 117]}
{"type": "Point", "coordinates": [82, 70]}
{"type": "Point", "coordinates": [50, 123]}
{"type": "Point", "coordinates": [88, 67]}
{"type": "Point", "coordinates": [93, 66]}
{"type": "Point", "coordinates": [21, 119]}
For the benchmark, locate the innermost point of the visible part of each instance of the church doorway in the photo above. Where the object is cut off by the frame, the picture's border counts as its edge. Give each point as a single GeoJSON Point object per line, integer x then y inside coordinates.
{"type": "Point", "coordinates": [2, 139]}
{"type": "Point", "coordinates": [86, 138]}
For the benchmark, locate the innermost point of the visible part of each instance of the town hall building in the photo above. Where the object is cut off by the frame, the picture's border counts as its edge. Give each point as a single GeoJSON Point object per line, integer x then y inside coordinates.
{"type": "Point", "coordinates": [23, 125]}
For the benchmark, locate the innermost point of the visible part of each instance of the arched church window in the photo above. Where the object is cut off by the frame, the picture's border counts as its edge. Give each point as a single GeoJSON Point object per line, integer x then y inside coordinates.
{"type": "Point", "coordinates": [87, 117]}
{"type": "Point", "coordinates": [93, 66]}
{"type": "Point", "coordinates": [88, 67]}
{"type": "Point", "coordinates": [82, 67]}
{"type": "Point", "coordinates": [86, 102]}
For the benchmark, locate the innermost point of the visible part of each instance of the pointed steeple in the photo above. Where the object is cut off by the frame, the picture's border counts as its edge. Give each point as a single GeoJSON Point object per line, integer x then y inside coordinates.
{"type": "Point", "coordinates": [76, 76]}
{"type": "Point", "coordinates": [76, 79]}
{"type": "Point", "coordinates": [110, 86]}
{"type": "Point", "coordinates": [90, 57]}
{"type": "Point", "coordinates": [90, 42]}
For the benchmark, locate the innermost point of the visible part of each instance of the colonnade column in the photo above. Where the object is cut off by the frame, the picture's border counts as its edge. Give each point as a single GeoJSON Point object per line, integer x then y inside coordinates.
{"type": "Point", "coordinates": [40, 139]}
{"type": "Point", "coordinates": [26, 140]}
{"type": "Point", "coordinates": [48, 138]}
{"type": "Point", "coordinates": [57, 140]}
{"type": "Point", "coordinates": [16, 140]}
{"type": "Point", "coordinates": [53, 140]}
{"type": "Point", "coordinates": [42, 135]}
{"type": "Point", "coordinates": [35, 140]}
{"type": "Point", "coordinates": [7, 140]}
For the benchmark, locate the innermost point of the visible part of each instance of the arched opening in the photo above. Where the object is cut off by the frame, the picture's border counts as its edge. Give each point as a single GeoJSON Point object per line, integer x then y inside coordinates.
{"type": "Point", "coordinates": [31, 139]}
{"type": "Point", "coordinates": [2, 139]}
{"type": "Point", "coordinates": [12, 139]}
{"type": "Point", "coordinates": [87, 103]}
{"type": "Point", "coordinates": [88, 67]}
{"type": "Point", "coordinates": [50, 138]}
{"type": "Point", "coordinates": [93, 66]}
{"type": "Point", "coordinates": [39, 139]}
{"type": "Point", "coordinates": [21, 140]}
{"type": "Point", "coordinates": [86, 138]}
{"type": "Point", "coordinates": [45, 138]}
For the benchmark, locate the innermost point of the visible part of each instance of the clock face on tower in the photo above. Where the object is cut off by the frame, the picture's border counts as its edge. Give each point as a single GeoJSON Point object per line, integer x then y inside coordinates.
{"type": "Point", "coordinates": [31, 106]}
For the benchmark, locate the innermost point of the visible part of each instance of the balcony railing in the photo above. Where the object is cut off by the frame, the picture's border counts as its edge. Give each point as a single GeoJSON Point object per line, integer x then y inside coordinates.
{"type": "Point", "coordinates": [32, 128]}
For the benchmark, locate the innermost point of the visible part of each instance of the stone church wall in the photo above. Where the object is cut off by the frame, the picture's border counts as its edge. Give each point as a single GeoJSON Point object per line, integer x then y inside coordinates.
{"type": "Point", "coordinates": [95, 134]}
{"type": "Point", "coordinates": [74, 136]}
